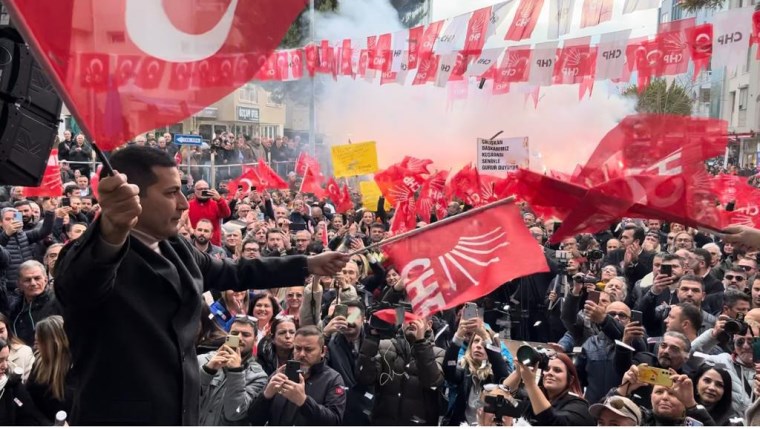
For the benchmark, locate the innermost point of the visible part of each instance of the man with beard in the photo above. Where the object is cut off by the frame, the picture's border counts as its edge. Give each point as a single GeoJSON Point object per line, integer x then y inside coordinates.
{"type": "Point", "coordinates": [317, 398]}
{"type": "Point", "coordinates": [208, 204]}
{"type": "Point", "coordinates": [231, 379]}
{"type": "Point", "coordinates": [406, 373]}
{"type": "Point", "coordinates": [202, 239]}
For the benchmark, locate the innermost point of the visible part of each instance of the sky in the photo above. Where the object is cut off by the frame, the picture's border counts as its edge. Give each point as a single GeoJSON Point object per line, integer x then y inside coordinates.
{"type": "Point", "coordinates": [420, 121]}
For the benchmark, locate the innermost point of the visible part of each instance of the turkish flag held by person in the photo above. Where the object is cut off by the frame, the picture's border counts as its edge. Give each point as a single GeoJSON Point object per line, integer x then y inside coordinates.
{"type": "Point", "coordinates": [51, 185]}
{"type": "Point", "coordinates": [77, 39]}
{"type": "Point", "coordinates": [248, 180]}
{"type": "Point", "coordinates": [269, 179]}
{"type": "Point", "coordinates": [450, 263]}
{"type": "Point", "coordinates": [311, 184]}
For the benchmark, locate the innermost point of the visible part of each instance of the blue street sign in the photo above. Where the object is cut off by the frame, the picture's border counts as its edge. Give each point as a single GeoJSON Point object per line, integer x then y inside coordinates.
{"type": "Point", "coordinates": [188, 139]}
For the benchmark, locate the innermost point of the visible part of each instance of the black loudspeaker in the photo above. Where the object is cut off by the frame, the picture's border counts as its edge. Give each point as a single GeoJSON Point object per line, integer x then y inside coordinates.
{"type": "Point", "coordinates": [30, 111]}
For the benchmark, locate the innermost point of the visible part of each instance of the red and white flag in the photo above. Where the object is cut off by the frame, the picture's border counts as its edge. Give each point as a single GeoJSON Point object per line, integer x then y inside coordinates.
{"type": "Point", "coordinates": [476, 31]}
{"type": "Point", "coordinates": [425, 49]}
{"type": "Point", "coordinates": [488, 58]}
{"type": "Point", "coordinates": [515, 65]}
{"type": "Point", "coordinates": [525, 20]}
{"type": "Point", "coordinates": [453, 37]}
{"type": "Point", "coordinates": [169, 32]}
{"type": "Point", "coordinates": [462, 260]}
{"type": "Point", "coordinates": [542, 63]}
{"type": "Point", "coordinates": [700, 46]}
{"type": "Point", "coordinates": [673, 43]}
{"type": "Point", "coordinates": [499, 13]}
{"type": "Point", "coordinates": [576, 60]}
{"type": "Point", "coordinates": [311, 184]}
{"type": "Point", "coordinates": [446, 65]}
{"type": "Point", "coordinates": [51, 184]}
{"type": "Point", "coordinates": [416, 35]}
{"type": "Point", "coordinates": [610, 58]}
{"type": "Point", "coordinates": [427, 70]}
{"type": "Point", "coordinates": [269, 179]}
{"type": "Point", "coordinates": [305, 161]}
{"type": "Point", "coordinates": [248, 180]}
{"type": "Point", "coordinates": [560, 17]}
{"type": "Point", "coordinates": [596, 12]}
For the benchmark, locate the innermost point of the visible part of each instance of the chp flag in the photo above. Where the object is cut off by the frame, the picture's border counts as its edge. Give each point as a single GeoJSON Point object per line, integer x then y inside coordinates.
{"type": "Point", "coordinates": [502, 156]}
{"type": "Point", "coordinates": [465, 257]}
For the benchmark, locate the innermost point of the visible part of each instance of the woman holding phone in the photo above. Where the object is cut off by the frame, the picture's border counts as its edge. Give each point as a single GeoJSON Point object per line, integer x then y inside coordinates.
{"type": "Point", "coordinates": [276, 349]}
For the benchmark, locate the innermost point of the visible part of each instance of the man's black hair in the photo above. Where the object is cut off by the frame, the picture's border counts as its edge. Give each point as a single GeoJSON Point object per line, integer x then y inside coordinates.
{"type": "Point", "coordinates": [638, 233]}
{"type": "Point", "coordinates": [137, 163]}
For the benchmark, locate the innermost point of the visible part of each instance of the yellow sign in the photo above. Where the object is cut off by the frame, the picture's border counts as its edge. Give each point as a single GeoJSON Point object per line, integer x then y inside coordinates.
{"type": "Point", "coordinates": [370, 193]}
{"type": "Point", "coordinates": [354, 159]}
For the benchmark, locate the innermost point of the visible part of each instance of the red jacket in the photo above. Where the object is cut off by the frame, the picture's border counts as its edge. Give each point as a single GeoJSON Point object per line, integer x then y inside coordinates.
{"type": "Point", "coordinates": [212, 210]}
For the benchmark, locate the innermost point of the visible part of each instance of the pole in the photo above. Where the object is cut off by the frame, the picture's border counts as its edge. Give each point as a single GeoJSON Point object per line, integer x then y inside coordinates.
{"type": "Point", "coordinates": [440, 223]}
{"type": "Point", "coordinates": [312, 103]}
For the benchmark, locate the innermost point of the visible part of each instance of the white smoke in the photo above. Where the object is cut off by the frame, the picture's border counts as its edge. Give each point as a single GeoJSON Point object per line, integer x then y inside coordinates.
{"type": "Point", "coordinates": [419, 120]}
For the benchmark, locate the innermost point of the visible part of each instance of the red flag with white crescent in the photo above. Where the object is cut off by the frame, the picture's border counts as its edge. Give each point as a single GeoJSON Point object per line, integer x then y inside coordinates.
{"type": "Point", "coordinates": [51, 185]}
{"type": "Point", "coordinates": [461, 261]}
{"type": "Point", "coordinates": [700, 47]}
{"type": "Point", "coordinates": [311, 184]}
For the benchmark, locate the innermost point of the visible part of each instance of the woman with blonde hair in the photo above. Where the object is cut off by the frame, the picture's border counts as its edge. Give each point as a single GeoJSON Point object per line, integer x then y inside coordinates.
{"type": "Point", "coordinates": [481, 364]}
{"type": "Point", "coordinates": [49, 384]}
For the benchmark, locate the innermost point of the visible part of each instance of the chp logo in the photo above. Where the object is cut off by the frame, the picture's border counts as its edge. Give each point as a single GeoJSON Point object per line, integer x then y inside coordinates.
{"type": "Point", "coordinates": [435, 280]}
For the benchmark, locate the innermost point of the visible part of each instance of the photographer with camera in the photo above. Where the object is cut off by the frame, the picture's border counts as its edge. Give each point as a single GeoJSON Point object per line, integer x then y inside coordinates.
{"type": "Point", "coordinates": [740, 362]}
{"type": "Point", "coordinates": [481, 364]}
{"type": "Point", "coordinates": [406, 372]}
{"type": "Point", "coordinates": [555, 400]}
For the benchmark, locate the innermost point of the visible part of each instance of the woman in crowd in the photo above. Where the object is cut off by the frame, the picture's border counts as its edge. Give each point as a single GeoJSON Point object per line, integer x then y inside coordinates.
{"type": "Point", "coordinates": [710, 391]}
{"type": "Point", "coordinates": [16, 406]}
{"type": "Point", "coordinates": [264, 308]}
{"type": "Point", "coordinates": [609, 272]}
{"type": "Point", "coordinates": [277, 348]}
{"type": "Point", "coordinates": [231, 304]}
{"type": "Point", "coordinates": [21, 355]}
{"type": "Point", "coordinates": [557, 400]}
{"type": "Point", "coordinates": [49, 384]}
{"type": "Point", "coordinates": [479, 366]}
{"type": "Point", "coordinates": [210, 335]}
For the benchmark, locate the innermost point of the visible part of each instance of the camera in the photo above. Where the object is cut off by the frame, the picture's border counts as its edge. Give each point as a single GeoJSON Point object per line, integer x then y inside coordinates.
{"type": "Point", "coordinates": [535, 357]}
{"type": "Point", "coordinates": [593, 255]}
{"type": "Point", "coordinates": [500, 406]}
{"type": "Point", "coordinates": [736, 326]}
{"type": "Point", "coordinates": [585, 278]}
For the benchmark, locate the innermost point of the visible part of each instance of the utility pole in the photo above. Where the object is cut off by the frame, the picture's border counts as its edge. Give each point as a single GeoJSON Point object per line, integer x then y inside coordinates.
{"type": "Point", "coordinates": [312, 104]}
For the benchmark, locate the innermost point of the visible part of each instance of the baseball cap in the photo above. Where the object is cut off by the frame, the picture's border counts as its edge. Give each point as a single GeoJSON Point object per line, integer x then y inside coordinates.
{"type": "Point", "coordinates": [619, 405]}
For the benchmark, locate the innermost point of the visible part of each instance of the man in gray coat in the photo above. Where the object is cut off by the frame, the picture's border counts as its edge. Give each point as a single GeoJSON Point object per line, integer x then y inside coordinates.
{"type": "Point", "coordinates": [231, 379]}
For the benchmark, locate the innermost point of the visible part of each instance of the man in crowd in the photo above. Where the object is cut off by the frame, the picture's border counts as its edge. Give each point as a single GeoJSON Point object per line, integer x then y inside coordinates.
{"type": "Point", "coordinates": [145, 284]}
{"type": "Point", "coordinates": [19, 243]}
{"type": "Point", "coordinates": [208, 204]}
{"type": "Point", "coordinates": [631, 257]}
{"type": "Point", "coordinates": [204, 230]}
{"type": "Point", "coordinates": [251, 249]}
{"type": "Point", "coordinates": [685, 318]}
{"type": "Point", "coordinates": [700, 264]}
{"type": "Point", "coordinates": [36, 302]}
{"type": "Point", "coordinates": [317, 398]}
{"type": "Point", "coordinates": [231, 379]}
{"type": "Point", "coordinates": [303, 240]}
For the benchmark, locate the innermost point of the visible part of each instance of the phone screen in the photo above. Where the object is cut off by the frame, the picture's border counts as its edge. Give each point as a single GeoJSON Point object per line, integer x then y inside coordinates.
{"type": "Point", "coordinates": [292, 370]}
{"type": "Point", "coordinates": [653, 375]}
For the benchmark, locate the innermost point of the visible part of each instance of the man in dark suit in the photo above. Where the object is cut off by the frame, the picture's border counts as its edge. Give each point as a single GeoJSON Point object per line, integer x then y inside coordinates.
{"type": "Point", "coordinates": [131, 290]}
{"type": "Point", "coordinates": [635, 261]}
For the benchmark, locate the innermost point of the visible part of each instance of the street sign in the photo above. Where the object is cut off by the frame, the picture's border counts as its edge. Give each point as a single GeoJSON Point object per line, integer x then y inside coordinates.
{"type": "Point", "coordinates": [188, 139]}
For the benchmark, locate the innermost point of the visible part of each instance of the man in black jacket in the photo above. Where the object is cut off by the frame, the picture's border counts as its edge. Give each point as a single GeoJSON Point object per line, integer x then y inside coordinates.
{"type": "Point", "coordinates": [143, 283]}
{"type": "Point", "coordinates": [36, 302]}
{"type": "Point", "coordinates": [319, 398]}
{"type": "Point", "coordinates": [631, 257]}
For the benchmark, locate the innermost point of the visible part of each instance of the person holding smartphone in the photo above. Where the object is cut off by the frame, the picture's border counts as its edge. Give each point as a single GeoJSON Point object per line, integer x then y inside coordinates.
{"type": "Point", "coordinates": [208, 204]}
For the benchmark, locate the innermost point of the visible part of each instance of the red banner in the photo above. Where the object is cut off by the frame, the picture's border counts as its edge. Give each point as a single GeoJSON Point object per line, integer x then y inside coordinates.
{"type": "Point", "coordinates": [460, 261]}
{"type": "Point", "coordinates": [311, 184]}
{"type": "Point", "coordinates": [51, 185]}
{"type": "Point", "coordinates": [525, 20]}
{"type": "Point", "coordinates": [476, 29]}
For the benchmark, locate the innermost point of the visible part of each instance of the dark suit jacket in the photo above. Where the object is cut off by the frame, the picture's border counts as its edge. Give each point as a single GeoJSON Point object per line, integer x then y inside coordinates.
{"type": "Point", "coordinates": [132, 322]}
{"type": "Point", "coordinates": [632, 274]}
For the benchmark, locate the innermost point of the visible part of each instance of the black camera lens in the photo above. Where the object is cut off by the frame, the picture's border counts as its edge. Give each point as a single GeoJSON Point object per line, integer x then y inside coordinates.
{"type": "Point", "coordinates": [732, 327]}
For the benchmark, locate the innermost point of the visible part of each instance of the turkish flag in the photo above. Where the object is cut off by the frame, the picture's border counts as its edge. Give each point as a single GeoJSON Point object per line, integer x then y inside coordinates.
{"type": "Point", "coordinates": [433, 196]}
{"type": "Point", "coordinates": [305, 161]}
{"type": "Point", "coordinates": [476, 29]}
{"type": "Point", "coordinates": [311, 184]}
{"type": "Point", "coordinates": [345, 58]}
{"type": "Point", "coordinates": [248, 180]}
{"type": "Point", "coordinates": [449, 264]}
{"type": "Point", "coordinates": [80, 41]}
{"type": "Point", "coordinates": [126, 69]}
{"type": "Point", "coordinates": [525, 20]}
{"type": "Point", "coordinates": [51, 185]}
{"type": "Point", "coordinates": [326, 60]}
{"type": "Point", "coordinates": [700, 47]}
{"type": "Point", "coordinates": [312, 59]}
{"type": "Point", "coordinates": [333, 191]}
{"type": "Point", "coordinates": [283, 65]}
{"type": "Point", "coordinates": [346, 202]}
{"type": "Point", "coordinates": [296, 63]}
{"type": "Point", "coordinates": [269, 179]}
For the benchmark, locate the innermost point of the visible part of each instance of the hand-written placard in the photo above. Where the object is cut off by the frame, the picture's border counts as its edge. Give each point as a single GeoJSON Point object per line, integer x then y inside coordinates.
{"type": "Point", "coordinates": [354, 159]}
{"type": "Point", "coordinates": [370, 194]}
{"type": "Point", "coordinates": [500, 157]}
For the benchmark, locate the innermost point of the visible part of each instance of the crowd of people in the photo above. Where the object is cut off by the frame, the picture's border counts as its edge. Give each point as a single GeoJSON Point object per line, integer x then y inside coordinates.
{"type": "Point", "coordinates": [646, 323]}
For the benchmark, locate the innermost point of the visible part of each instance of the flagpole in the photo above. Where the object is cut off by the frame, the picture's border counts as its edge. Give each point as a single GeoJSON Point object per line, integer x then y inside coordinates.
{"type": "Point", "coordinates": [437, 224]}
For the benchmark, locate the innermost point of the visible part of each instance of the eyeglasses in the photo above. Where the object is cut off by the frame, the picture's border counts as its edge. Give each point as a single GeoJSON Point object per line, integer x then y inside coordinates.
{"type": "Point", "coordinates": [618, 404]}
{"type": "Point", "coordinates": [746, 267]}
{"type": "Point", "coordinates": [730, 277]}
{"type": "Point", "coordinates": [619, 315]}
{"type": "Point", "coordinates": [740, 342]}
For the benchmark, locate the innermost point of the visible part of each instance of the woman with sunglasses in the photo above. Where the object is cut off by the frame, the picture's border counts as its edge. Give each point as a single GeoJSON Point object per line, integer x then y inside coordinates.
{"type": "Point", "coordinates": [479, 366]}
{"type": "Point", "coordinates": [276, 349]}
{"type": "Point", "coordinates": [557, 400]}
{"type": "Point", "coordinates": [712, 389]}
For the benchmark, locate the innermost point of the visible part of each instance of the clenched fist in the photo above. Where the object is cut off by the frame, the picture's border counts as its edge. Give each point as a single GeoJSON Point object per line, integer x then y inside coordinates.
{"type": "Point", "coordinates": [120, 207]}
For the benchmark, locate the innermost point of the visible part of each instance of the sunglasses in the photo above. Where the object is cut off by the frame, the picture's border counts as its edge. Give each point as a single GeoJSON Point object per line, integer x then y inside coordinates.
{"type": "Point", "coordinates": [745, 267]}
{"type": "Point", "coordinates": [740, 342]}
{"type": "Point", "coordinates": [732, 277]}
{"type": "Point", "coordinates": [619, 315]}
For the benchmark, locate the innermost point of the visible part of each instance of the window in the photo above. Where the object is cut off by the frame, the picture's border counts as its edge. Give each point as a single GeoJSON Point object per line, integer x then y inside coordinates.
{"type": "Point", "coordinates": [270, 131]}
{"type": "Point", "coordinates": [249, 93]}
{"type": "Point", "coordinates": [743, 98]}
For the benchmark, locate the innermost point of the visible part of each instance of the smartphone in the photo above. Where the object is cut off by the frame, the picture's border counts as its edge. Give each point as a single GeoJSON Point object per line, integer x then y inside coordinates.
{"type": "Point", "coordinates": [293, 371]}
{"type": "Point", "coordinates": [470, 311]}
{"type": "Point", "coordinates": [637, 316]}
{"type": "Point", "coordinates": [206, 194]}
{"type": "Point", "coordinates": [260, 216]}
{"type": "Point", "coordinates": [295, 227]}
{"type": "Point", "coordinates": [18, 217]}
{"type": "Point", "coordinates": [232, 341]}
{"type": "Point", "coordinates": [340, 310]}
{"type": "Point", "coordinates": [655, 376]}
{"type": "Point", "coordinates": [351, 319]}
{"type": "Point", "coordinates": [756, 350]}
{"type": "Point", "coordinates": [666, 270]}
{"type": "Point", "coordinates": [66, 202]}
{"type": "Point", "coordinates": [594, 296]}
